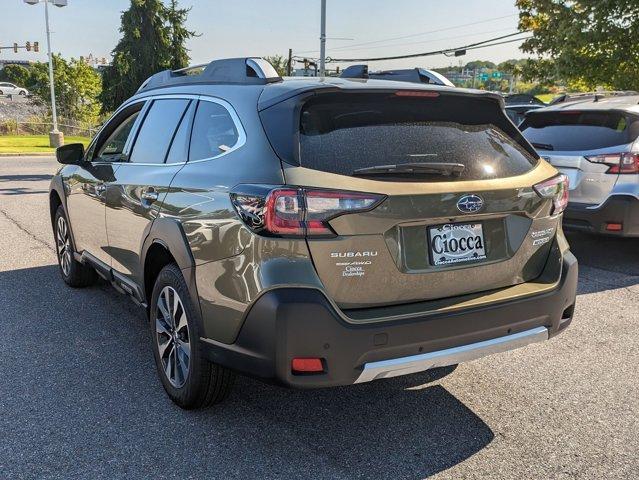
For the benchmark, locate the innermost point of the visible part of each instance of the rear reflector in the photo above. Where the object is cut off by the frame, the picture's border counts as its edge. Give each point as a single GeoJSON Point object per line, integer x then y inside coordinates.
{"type": "Point", "coordinates": [614, 227]}
{"type": "Point", "coordinates": [307, 365]}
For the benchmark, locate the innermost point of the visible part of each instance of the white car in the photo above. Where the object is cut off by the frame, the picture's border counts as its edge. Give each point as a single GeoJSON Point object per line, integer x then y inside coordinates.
{"type": "Point", "coordinates": [11, 89]}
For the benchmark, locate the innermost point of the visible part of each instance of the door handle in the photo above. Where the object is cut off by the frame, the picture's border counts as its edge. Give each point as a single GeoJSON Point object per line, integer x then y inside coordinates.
{"type": "Point", "coordinates": [149, 194]}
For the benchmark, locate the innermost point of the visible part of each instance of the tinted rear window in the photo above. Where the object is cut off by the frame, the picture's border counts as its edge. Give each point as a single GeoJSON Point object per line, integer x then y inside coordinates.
{"type": "Point", "coordinates": [342, 133]}
{"type": "Point", "coordinates": [574, 131]}
{"type": "Point", "coordinates": [214, 131]}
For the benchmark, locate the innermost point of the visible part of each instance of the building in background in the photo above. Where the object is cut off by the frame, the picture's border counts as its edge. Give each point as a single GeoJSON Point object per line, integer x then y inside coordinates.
{"type": "Point", "coordinates": [5, 62]}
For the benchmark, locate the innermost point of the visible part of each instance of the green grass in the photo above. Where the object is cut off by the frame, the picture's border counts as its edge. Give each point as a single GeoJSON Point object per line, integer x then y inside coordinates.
{"type": "Point", "coordinates": [546, 97]}
{"type": "Point", "coordinates": [33, 143]}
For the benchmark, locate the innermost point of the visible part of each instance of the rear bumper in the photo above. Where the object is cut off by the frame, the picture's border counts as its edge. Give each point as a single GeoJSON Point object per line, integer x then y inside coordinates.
{"type": "Point", "coordinates": [296, 322]}
{"type": "Point", "coordinates": [623, 209]}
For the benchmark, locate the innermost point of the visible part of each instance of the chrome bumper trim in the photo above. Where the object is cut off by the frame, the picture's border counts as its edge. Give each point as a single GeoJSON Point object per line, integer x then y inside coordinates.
{"type": "Point", "coordinates": [441, 358]}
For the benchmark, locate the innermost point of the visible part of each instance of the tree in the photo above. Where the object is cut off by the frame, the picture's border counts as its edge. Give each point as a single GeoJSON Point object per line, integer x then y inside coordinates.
{"type": "Point", "coordinates": [77, 86]}
{"type": "Point", "coordinates": [279, 63]}
{"type": "Point", "coordinates": [16, 74]}
{"type": "Point", "coordinates": [178, 53]}
{"type": "Point", "coordinates": [582, 42]}
{"type": "Point", "coordinates": [153, 38]}
{"type": "Point", "coordinates": [479, 64]}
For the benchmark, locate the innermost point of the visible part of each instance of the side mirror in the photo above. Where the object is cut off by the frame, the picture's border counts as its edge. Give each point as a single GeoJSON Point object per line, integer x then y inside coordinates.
{"type": "Point", "coordinates": [71, 154]}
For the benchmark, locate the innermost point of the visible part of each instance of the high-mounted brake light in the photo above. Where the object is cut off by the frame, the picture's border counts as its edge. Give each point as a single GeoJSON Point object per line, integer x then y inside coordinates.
{"type": "Point", "coordinates": [618, 162]}
{"type": "Point", "coordinates": [297, 212]}
{"type": "Point", "coordinates": [557, 189]}
{"type": "Point", "coordinates": [416, 93]}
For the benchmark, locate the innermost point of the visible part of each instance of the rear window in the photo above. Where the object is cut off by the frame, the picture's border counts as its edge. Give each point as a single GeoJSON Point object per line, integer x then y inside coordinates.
{"type": "Point", "coordinates": [344, 133]}
{"type": "Point", "coordinates": [579, 130]}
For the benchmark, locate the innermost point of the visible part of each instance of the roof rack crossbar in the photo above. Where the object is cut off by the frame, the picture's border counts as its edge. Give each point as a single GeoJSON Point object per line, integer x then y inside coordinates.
{"type": "Point", "coordinates": [246, 71]}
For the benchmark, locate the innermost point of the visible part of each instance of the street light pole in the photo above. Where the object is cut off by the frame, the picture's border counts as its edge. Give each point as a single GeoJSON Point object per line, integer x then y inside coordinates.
{"type": "Point", "coordinates": [56, 138]}
{"type": "Point", "coordinates": [51, 83]}
{"type": "Point", "coordinates": [323, 41]}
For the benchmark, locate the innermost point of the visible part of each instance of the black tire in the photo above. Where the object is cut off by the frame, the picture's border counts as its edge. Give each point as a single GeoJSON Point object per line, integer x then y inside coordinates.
{"type": "Point", "coordinates": [196, 383]}
{"type": "Point", "coordinates": [74, 273]}
{"type": "Point", "coordinates": [22, 93]}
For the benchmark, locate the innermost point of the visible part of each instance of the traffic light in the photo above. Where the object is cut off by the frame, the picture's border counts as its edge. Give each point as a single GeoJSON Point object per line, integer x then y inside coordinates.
{"type": "Point", "coordinates": [15, 48]}
{"type": "Point", "coordinates": [36, 47]}
{"type": "Point", "coordinates": [28, 46]}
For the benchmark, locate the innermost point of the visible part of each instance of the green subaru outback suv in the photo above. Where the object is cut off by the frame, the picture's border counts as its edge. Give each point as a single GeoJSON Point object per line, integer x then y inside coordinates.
{"type": "Point", "coordinates": [316, 231]}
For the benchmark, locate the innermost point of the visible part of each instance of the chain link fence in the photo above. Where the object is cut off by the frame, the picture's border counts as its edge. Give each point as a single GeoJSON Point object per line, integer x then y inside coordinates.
{"type": "Point", "coordinates": [35, 127]}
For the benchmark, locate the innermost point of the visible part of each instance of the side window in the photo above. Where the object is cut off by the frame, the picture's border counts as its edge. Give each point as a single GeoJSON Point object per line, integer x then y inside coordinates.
{"type": "Point", "coordinates": [179, 150]}
{"type": "Point", "coordinates": [113, 148]}
{"type": "Point", "coordinates": [214, 131]}
{"type": "Point", "coordinates": [157, 130]}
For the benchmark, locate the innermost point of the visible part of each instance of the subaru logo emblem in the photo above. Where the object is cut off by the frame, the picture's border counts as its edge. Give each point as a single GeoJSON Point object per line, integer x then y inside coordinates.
{"type": "Point", "coordinates": [470, 204]}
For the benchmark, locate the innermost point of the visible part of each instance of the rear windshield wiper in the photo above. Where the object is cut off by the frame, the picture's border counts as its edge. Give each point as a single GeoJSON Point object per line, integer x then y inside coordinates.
{"type": "Point", "coordinates": [543, 146]}
{"type": "Point", "coordinates": [437, 168]}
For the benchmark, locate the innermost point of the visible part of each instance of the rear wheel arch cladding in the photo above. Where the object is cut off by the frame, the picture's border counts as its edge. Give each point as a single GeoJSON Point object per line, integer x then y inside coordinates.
{"type": "Point", "coordinates": [168, 234]}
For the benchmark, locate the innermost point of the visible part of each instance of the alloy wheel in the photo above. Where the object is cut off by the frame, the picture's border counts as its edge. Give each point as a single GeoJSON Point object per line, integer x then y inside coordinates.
{"type": "Point", "coordinates": [172, 337]}
{"type": "Point", "coordinates": [64, 245]}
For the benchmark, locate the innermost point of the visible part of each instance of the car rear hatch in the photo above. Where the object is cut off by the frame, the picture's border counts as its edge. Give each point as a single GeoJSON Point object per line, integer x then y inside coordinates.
{"type": "Point", "coordinates": [589, 147]}
{"type": "Point", "coordinates": [450, 180]}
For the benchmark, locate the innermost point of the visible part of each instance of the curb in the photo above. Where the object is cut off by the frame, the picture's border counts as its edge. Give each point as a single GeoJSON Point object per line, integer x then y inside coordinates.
{"type": "Point", "coordinates": [27, 154]}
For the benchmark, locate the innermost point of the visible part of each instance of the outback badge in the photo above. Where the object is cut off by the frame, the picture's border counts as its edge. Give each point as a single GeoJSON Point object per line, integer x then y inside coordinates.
{"type": "Point", "coordinates": [470, 204]}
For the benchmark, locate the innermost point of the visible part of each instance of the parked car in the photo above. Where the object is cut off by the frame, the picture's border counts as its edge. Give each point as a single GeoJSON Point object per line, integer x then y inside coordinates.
{"type": "Point", "coordinates": [315, 232]}
{"type": "Point", "coordinates": [594, 142]}
{"type": "Point", "coordinates": [522, 99]}
{"type": "Point", "coordinates": [517, 112]}
{"type": "Point", "coordinates": [7, 89]}
{"type": "Point", "coordinates": [590, 96]}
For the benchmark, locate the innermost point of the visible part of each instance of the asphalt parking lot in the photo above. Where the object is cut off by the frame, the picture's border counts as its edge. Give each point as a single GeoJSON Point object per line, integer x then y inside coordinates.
{"type": "Point", "coordinates": [79, 397]}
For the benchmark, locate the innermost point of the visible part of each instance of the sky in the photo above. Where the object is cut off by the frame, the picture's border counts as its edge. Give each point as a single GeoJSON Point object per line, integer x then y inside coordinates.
{"type": "Point", "coordinates": [239, 28]}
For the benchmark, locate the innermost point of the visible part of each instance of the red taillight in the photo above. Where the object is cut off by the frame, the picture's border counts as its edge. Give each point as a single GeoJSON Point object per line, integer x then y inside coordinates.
{"type": "Point", "coordinates": [283, 213]}
{"type": "Point", "coordinates": [307, 365]}
{"type": "Point", "coordinates": [617, 162]}
{"type": "Point", "coordinates": [557, 189]}
{"type": "Point", "coordinates": [297, 212]}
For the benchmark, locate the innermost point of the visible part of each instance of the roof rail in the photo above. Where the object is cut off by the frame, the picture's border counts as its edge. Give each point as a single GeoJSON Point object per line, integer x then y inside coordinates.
{"type": "Point", "coordinates": [412, 75]}
{"type": "Point", "coordinates": [244, 71]}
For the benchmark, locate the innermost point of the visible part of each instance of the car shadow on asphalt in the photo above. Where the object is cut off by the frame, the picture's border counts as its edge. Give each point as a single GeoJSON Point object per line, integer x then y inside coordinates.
{"type": "Point", "coordinates": [394, 428]}
{"type": "Point", "coordinates": [605, 263]}
{"type": "Point", "coordinates": [83, 356]}
{"type": "Point", "coordinates": [21, 190]}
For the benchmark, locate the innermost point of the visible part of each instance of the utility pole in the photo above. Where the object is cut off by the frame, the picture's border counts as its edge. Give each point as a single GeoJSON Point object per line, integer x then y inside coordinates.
{"type": "Point", "coordinates": [56, 138]}
{"type": "Point", "coordinates": [289, 65]}
{"type": "Point", "coordinates": [322, 70]}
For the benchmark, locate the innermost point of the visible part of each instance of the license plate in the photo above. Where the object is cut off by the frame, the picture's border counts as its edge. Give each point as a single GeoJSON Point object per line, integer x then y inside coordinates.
{"type": "Point", "coordinates": [456, 243]}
